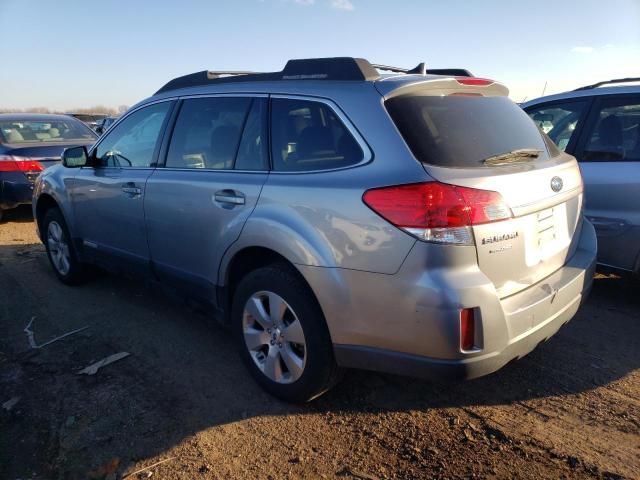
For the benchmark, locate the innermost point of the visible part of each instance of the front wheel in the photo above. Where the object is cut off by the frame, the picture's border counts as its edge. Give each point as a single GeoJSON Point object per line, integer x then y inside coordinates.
{"type": "Point", "coordinates": [60, 251]}
{"type": "Point", "coordinates": [282, 335]}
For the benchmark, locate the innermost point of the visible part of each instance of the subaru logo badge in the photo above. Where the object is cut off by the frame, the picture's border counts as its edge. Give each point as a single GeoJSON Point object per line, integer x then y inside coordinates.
{"type": "Point", "coordinates": [556, 184]}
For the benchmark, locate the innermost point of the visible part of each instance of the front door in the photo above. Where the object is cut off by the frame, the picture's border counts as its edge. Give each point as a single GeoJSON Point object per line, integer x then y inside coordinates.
{"type": "Point", "coordinates": [108, 196]}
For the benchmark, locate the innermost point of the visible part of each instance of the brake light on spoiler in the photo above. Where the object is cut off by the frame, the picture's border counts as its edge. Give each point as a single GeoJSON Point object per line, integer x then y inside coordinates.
{"type": "Point", "coordinates": [437, 212]}
{"type": "Point", "coordinates": [474, 81]}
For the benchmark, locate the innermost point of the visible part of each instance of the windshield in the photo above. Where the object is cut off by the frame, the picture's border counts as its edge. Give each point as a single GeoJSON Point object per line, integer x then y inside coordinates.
{"type": "Point", "coordinates": [463, 131]}
{"type": "Point", "coordinates": [40, 131]}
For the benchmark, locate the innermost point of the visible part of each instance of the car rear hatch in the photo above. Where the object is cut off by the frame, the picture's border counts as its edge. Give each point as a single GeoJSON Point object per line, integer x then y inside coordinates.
{"type": "Point", "coordinates": [467, 133]}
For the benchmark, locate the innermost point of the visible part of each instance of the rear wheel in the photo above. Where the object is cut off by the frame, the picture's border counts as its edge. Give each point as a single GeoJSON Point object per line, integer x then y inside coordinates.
{"type": "Point", "coordinates": [60, 250]}
{"type": "Point", "coordinates": [282, 335]}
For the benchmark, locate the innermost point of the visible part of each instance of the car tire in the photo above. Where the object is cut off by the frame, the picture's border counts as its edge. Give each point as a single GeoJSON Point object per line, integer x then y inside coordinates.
{"type": "Point", "coordinates": [1, 213]}
{"type": "Point", "coordinates": [290, 353]}
{"type": "Point", "coordinates": [60, 249]}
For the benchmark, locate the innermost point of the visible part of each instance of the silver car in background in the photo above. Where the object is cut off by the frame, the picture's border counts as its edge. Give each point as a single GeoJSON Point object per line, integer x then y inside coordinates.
{"type": "Point", "coordinates": [600, 125]}
{"type": "Point", "coordinates": [415, 222]}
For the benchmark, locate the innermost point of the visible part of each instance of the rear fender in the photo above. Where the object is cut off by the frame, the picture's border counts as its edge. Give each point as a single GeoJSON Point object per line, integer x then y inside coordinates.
{"type": "Point", "coordinates": [286, 234]}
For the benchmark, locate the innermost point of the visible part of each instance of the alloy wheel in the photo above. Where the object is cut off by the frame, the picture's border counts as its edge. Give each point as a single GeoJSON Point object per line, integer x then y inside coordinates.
{"type": "Point", "coordinates": [58, 248]}
{"type": "Point", "coordinates": [274, 337]}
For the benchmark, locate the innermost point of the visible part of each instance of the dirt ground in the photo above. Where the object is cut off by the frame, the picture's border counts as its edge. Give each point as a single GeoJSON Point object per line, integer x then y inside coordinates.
{"type": "Point", "coordinates": [571, 409]}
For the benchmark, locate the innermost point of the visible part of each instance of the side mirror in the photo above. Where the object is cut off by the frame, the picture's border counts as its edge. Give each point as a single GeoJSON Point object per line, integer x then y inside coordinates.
{"type": "Point", "coordinates": [75, 157]}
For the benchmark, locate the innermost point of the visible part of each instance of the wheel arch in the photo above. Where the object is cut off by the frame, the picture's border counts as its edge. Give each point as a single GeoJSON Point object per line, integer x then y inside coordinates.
{"type": "Point", "coordinates": [245, 260]}
{"type": "Point", "coordinates": [45, 202]}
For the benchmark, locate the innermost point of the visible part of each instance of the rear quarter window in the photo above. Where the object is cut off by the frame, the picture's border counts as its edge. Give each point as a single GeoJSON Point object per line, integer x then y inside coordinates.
{"type": "Point", "coordinates": [309, 136]}
{"type": "Point", "coordinates": [462, 131]}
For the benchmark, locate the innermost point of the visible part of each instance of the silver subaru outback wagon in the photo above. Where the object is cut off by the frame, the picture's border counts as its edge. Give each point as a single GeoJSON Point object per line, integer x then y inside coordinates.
{"type": "Point", "coordinates": [415, 222]}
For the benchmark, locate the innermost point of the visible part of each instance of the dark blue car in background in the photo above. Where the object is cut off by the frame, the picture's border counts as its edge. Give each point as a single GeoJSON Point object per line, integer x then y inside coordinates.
{"type": "Point", "coordinates": [29, 143]}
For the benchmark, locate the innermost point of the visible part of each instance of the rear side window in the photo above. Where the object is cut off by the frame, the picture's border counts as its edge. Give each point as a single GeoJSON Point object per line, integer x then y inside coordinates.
{"type": "Point", "coordinates": [252, 152]}
{"type": "Point", "coordinates": [558, 120]}
{"type": "Point", "coordinates": [462, 131]}
{"type": "Point", "coordinates": [308, 135]}
{"type": "Point", "coordinates": [616, 134]}
{"type": "Point", "coordinates": [208, 132]}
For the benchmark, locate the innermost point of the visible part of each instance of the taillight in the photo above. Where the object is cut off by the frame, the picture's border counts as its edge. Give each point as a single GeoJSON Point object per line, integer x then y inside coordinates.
{"type": "Point", "coordinates": [467, 329]}
{"type": "Point", "coordinates": [475, 82]}
{"type": "Point", "coordinates": [10, 163]}
{"type": "Point", "coordinates": [437, 212]}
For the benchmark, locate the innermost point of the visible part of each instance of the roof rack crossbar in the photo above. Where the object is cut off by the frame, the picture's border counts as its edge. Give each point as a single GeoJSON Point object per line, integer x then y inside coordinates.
{"type": "Point", "coordinates": [420, 69]}
{"type": "Point", "coordinates": [213, 74]}
{"type": "Point", "coordinates": [607, 82]}
{"type": "Point", "coordinates": [388, 68]}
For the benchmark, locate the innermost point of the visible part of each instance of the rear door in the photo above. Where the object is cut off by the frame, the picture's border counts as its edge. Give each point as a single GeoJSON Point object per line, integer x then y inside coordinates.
{"type": "Point", "coordinates": [453, 134]}
{"type": "Point", "coordinates": [609, 155]}
{"type": "Point", "coordinates": [198, 201]}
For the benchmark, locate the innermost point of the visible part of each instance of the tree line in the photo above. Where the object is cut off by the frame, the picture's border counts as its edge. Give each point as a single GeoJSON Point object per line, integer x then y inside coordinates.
{"type": "Point", "coordinates": [95, 109]}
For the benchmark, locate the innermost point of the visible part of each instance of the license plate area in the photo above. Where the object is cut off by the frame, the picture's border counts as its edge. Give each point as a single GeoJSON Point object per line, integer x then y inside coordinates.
{"type": "Point", "coordinates": [548, 234]}
{"type": "Point", "coordinates": [546, 229]}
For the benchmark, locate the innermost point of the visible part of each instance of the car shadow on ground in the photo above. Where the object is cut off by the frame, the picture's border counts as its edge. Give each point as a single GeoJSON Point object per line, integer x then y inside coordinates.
{"type": "Point", "coordinates": [184, 376]}
{"type": "Point", "coordinates": [21, 214]}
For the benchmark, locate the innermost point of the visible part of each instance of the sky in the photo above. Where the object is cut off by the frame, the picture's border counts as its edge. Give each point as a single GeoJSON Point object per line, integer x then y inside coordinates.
{"type": "Point", "coordinates": [80, 53]}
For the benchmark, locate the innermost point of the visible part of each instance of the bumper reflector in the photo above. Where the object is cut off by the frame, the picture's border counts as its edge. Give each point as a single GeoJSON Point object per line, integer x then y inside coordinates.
{"type": "Point", "coordinates": [467, 329]}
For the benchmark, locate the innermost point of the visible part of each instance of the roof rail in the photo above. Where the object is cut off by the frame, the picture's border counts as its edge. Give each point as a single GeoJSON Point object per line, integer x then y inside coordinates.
{"type": "Point", "coordinates": [336, 68]}
{"type": "Point", "coordinates": [607, 82]}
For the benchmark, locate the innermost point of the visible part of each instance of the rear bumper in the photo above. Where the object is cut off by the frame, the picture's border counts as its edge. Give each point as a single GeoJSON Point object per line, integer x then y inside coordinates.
{"type": "Point", "coordinates": [366, 358]}
{"type": "Point", "coordinates": [414, 329]}
{"type": "Point", "coordinates": [15, 190]}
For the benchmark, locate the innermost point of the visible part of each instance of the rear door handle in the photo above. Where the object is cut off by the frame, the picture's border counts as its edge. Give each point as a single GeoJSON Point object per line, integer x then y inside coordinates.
{"type": "Point", "coordinates": [229, 197]}
{"type": "Point", "coordinates": [608, 225]}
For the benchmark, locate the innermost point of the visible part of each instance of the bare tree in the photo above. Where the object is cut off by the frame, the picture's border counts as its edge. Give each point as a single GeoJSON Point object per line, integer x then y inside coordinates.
{"type": "Point", "coordinates": [95, 109]}
{"type": "Point", "coordinates": [38, 110]}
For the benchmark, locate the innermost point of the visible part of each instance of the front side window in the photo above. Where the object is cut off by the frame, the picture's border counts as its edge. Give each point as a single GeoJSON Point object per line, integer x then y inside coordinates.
{"type": "Point", "coordinates": [616, 133]}
{"type": "Point", "coordinates": [212, 132]}
{"type": "Point", "coordinates": [558, 120]}
{"type": "Point", "coordinates": [132, 143]}
{"type": "Point", "coordinates": [308, 135]}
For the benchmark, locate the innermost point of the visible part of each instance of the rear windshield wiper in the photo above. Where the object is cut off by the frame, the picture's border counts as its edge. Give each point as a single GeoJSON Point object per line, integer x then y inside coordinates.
{"type": "Point", "coordinates": [514, 156]}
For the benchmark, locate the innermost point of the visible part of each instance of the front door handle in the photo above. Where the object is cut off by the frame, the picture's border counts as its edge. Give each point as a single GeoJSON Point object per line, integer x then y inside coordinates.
{"type": "Point", "coordinates": [131, 189]}
{"type": "Point", "coordinates": [229, 197]}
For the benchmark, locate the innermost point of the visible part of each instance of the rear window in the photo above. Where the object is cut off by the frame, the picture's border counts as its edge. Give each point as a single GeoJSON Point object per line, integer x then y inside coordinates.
{"type": "Point", "coordinates": [462, 131]}
{"type": "Point", "coordinates": [40, 131]}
